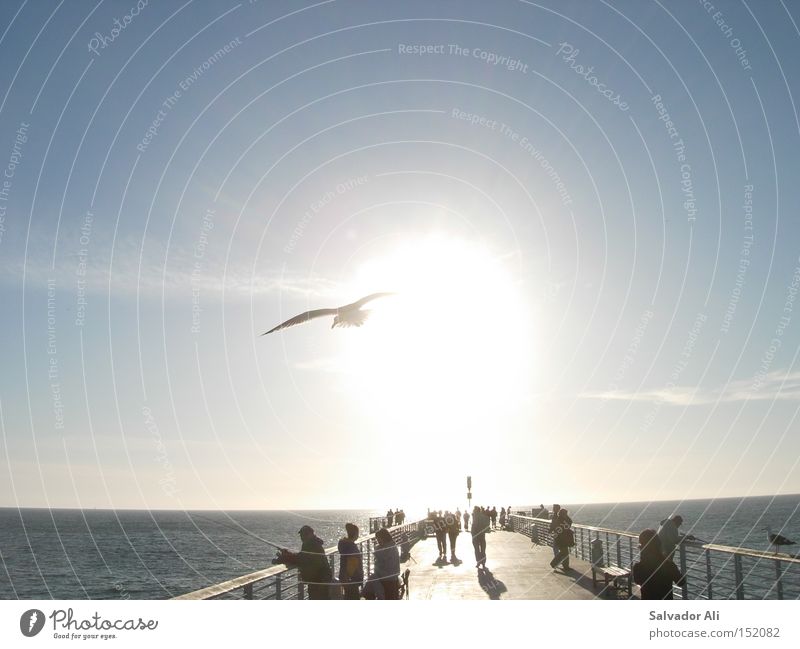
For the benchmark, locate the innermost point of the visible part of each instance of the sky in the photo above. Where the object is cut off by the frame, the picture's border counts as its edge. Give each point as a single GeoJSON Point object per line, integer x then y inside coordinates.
{"type": "Point", "coordinates": [587, 211]}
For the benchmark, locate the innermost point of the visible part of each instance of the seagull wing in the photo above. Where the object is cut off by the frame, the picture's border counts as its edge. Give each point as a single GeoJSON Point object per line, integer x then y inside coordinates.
{"type": "Point", "coordinates": [369, 298]}
{"type": "Point", "coordinates": [303, 317]}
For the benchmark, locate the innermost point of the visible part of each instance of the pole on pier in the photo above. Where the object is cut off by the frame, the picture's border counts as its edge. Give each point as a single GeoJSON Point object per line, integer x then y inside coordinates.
{"type": "Point", "coordinates": [469, 493]}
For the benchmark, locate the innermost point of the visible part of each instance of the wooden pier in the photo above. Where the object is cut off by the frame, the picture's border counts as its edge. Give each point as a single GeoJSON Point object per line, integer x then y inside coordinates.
{"type": "Point", "coordinates": [517, 569]}
{"type": "Point", "coordinates": [518, 562]}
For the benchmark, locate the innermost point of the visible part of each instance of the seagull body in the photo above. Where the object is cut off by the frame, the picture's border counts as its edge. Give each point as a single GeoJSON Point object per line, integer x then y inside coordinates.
{"type": "Point", "coordinates": [777, 539]}
{"type": "Point", "coordinates": [349, 315]}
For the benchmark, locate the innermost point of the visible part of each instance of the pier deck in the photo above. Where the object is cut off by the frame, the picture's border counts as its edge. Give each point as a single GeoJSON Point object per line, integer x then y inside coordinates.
{"type": "Point", "coordinates": [517, 569]}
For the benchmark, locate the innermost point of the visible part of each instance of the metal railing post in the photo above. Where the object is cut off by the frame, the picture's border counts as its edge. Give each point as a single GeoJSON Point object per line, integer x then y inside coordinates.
{"type": "Point", "coordinates": [619, 551]}
{"type": "Point", "coordinates": [778, 581]}
{"type": "Point", "coordinates": [685, 586]}
{"type": "Point", "coordinates": [737, 570]}
{"type": "Point", "coordinates": [300, 587]}
{"type": "Point", "coordinates": [248, 591]}
{"type": "Point", "coordinates": [709, 576]}
{"type": "Point", "coordinates": [278, 593]}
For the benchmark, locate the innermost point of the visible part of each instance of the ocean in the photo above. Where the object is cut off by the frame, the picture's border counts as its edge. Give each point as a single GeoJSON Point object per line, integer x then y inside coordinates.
{"type": "Point", "coordinates": [127, 554]}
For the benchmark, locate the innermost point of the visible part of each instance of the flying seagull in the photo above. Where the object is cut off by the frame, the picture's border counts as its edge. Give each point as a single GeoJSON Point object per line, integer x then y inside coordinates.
{"type": "Point", "coordinates": [349, 315]}
{"type": "Point", "coordinates": [777, 539]}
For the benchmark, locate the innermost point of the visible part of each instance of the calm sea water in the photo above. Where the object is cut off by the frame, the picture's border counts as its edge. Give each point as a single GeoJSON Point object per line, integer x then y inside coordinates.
{"type": "Point", "coordinates": [101, 554]}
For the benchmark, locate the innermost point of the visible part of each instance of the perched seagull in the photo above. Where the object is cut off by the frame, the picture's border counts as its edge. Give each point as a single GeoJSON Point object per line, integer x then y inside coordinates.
{"type": "Point", "coordinates": [349, 315]}
{"type": "Point", "coordinates": [777, 539]}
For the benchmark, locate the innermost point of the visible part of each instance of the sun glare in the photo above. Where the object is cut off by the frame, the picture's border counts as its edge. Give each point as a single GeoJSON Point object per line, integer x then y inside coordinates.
{"type": "Point", "coordinates": [451, 351]}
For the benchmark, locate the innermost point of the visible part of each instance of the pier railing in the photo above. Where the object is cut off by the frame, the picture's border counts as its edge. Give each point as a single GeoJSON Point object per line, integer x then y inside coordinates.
{"type": "Point", "coordinates": [282, 582]}
{"type": "Point", "coordinates": [712, 571]}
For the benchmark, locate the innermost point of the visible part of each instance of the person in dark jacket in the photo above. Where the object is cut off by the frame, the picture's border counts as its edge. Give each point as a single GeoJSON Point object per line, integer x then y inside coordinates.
{"type": "Point", "coordinates": [480, 525]}
{"type": "Point", "coordinates": [440, 530]}
{"type": "Point", "coordinates": [351, 564]}
{"type": "Point", "coordinates": [553, 524]}
{"type": "Point", "coordinates": [655, 572]}
{"type": "Point", "coordinates": [315, 571]}
{"type": "Point", "coordinates": [453, 525]}
{"type": "Point", "coordinates": [563, 539]}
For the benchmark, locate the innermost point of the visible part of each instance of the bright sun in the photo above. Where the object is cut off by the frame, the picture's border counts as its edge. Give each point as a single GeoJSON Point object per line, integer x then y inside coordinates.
{"type": "Point", "coordinates": [451, 352]}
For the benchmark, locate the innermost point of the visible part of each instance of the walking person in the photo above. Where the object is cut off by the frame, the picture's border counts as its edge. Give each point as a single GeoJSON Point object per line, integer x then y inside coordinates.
{"type": "Point", "coordinates": [563, 539]}
{"type": "Point", "coordinates": [466, 520]}
{"type": "Point", "coordinates": [480, 525]}
{"type": "Point", "coordinates": [655, 572]}
{"type": "Point", "coordinates": [315, 571]}
{"type": "Point", "coordinates": [553, 523]}
{"type": "Point", "coordinates": [351, 564]}
{"type": "Point", "coordinates": [503, 518]}
{"type": "Point", "coordinates": [458, 518]}
{"type": "Point", "coordinates": [440, 529]}
{"type": "Point", "coordinates": [389, 518]}
{"type": "Point", "coordinates": [493, 517]}
{"type": "Point", "coordinates": [453, 526]}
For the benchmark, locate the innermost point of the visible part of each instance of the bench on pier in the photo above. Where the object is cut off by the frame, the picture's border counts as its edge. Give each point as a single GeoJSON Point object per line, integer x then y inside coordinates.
{"type": "Point", "coordinates": [614, 576]}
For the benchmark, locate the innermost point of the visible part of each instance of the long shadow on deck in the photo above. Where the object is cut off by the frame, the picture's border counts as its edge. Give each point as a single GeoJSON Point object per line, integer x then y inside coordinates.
{"type": "Point", "coordinates": [491, 586]}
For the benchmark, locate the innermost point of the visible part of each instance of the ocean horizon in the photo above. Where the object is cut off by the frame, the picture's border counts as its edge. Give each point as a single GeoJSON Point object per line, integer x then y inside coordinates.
{"type": "Point", "coordinates": [156, 554]}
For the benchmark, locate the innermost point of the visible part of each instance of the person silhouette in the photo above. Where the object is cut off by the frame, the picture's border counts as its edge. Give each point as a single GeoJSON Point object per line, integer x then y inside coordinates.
{"type": "Point", "coordinates": [351, 564]}
{"type": "Point", "coordinates": [312, 563]}
{"type": "Point", "coordinates": [655, 572]}
{"type": "Point", "coordinates": [563, 539]}
{"type": "Point", "coordinates": [480, 525]}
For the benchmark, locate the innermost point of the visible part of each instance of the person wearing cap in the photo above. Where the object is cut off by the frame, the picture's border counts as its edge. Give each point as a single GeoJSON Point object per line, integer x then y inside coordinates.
{"type": "Point", "coordinates": [315, 571]}
{"type": "Point", "coordinates": [668, 534]}
{"type": "Point", "coordinates": [351, 564]}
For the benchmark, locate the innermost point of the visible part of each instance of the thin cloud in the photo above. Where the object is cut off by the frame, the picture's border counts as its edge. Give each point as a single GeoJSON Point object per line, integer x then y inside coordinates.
{"type": "Point", "coordinates": [156, 270]}
{"type": "Point", "coordinates": [779, 385]}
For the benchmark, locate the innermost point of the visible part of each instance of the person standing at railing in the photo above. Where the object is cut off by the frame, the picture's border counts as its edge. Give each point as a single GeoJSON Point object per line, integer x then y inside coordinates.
{"type": "Point", "coordinates": [312, 563]}
{"type": "Point", "coordinates": [563, 539]}
{"type": "Point", "coordinates": [389, 518]}
{"type": "Point", "coordinates": [655, 571]}
{"type": "Point", "coordinates": [668, 534]}
{"type": "Point", "coordinates": [384, 583]}
{"type": "Point", "coordinates": [351, 564]}
{"type": "Point", "coordinates": [503, 518]}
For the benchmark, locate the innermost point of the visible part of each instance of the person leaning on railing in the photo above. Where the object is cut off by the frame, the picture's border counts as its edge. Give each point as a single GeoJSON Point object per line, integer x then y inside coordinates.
{"type": "Point", "coordinates": [312, 564]}
{"type": "Point", "coordinates": [655, 571]}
